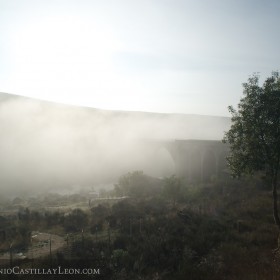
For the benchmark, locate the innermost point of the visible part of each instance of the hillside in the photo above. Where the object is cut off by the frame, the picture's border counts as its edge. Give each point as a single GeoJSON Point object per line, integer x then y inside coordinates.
{"type": "Point", "coordinates": [48, 145]}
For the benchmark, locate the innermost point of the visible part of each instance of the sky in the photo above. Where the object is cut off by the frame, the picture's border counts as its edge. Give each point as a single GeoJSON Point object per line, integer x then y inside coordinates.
{"type": "Point", "coordinates": [168, 56]}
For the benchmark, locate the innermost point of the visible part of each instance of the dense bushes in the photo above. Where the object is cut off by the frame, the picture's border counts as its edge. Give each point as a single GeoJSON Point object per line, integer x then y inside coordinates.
{"type": "Point", "coordinates": [222, 230]}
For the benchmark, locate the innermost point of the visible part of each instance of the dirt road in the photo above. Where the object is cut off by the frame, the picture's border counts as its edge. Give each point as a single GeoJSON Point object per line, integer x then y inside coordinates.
{"type": "Point", "coordinates": [42, 244]}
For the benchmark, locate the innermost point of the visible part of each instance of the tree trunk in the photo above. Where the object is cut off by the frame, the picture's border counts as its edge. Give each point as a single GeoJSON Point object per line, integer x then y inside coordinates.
{"type": "Point", "coordinates": [275, 201]}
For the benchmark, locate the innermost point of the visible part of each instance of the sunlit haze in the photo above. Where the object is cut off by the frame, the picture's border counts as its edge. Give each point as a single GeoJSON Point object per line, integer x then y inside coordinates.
{"type": "Point", "coordinates": [159, 56]}
{"type": "Point", "coordinates": [118, 151]}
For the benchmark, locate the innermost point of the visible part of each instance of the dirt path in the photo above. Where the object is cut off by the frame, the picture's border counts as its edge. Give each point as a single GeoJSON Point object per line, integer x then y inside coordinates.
{"type": "Point", "coordinates": [42, 244]}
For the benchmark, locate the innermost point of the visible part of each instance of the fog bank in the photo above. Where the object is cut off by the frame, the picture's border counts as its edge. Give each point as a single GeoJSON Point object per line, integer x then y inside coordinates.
{"type": "Point", "coordinates": [46, 145]}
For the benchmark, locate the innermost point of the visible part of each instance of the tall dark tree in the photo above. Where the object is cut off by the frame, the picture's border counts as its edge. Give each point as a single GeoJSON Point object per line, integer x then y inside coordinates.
{"type": "Point", "coordinates": [254, 136]}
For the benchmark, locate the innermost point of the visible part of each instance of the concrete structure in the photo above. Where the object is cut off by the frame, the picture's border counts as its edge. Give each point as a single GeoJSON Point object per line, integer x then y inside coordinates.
{"type": "Point", "coordinates": [196, 160]}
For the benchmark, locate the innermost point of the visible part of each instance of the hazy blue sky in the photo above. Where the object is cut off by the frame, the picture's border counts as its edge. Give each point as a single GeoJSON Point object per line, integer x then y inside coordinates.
{"type": "Point", "coordinates": [176, 56]}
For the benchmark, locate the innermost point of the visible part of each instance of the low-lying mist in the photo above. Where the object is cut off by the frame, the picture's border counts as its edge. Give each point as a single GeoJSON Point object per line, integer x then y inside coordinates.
{"type": "Point", "coordinates": [46, 146]}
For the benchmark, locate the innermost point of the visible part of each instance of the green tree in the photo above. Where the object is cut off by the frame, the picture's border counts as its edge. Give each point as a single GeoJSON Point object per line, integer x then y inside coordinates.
{"type": "Point", "coordinates": [136, 184]}
{"type": "Point", "coordinates": [254, 136]}
{"type": "Point", "coordinates": [76, 220]}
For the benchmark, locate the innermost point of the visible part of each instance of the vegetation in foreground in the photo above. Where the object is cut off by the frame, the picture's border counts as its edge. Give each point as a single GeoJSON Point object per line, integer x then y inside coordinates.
{"type": "Point", "coordinates": [160, 229]}
{"type": "Point", "coordinates": [254, 136]}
